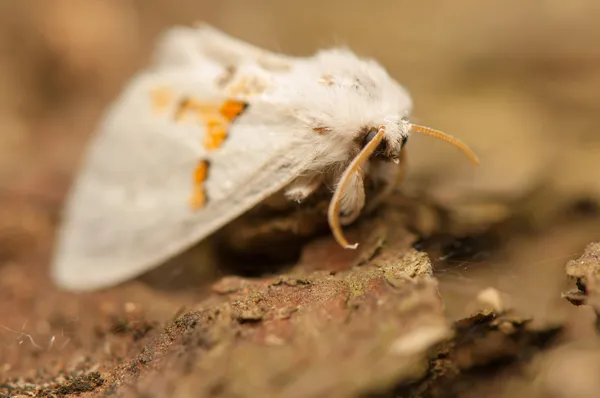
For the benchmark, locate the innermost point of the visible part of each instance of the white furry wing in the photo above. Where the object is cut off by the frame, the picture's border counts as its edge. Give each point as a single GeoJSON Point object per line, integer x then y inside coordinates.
{"type": "Point", "coordinates": [184, 45]}
{"type": "Point", "coordinates": [129, 209]}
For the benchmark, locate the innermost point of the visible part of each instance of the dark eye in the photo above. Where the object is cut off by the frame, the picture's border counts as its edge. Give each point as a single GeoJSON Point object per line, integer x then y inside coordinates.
{"type": "Point", "coordinates": [370, 135]}
{"type": "Point", "coordinates": [404, 139]}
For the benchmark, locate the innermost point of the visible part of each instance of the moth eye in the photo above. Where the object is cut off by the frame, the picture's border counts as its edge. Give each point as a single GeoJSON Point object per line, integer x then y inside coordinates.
{"type": "Point", "coordinates": [370, 135]}
{"type": "Point", "coordinates": [404, 140]}
{"type": "Point", "coordinates": [382, 145]}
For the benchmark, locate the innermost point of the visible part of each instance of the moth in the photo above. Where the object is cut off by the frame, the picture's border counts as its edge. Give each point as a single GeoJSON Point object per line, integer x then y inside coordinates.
{"type": "Point", "coordinates": [211, 128]}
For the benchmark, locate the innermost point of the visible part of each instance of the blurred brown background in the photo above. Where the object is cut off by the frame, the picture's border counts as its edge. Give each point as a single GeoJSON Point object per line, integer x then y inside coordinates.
{"type": "Point", "coordinates": [518, 81]}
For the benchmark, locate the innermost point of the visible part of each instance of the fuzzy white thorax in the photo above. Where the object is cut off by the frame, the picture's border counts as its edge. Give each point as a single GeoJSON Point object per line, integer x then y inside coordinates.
{"type": "Point", "coordinates": [358, 95]}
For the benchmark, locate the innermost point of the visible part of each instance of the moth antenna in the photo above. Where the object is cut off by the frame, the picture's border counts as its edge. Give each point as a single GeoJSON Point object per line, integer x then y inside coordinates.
{"type": "Point", "coordinates": [449, 139]}
{"type": "Point", "coordinates": [333, 213]}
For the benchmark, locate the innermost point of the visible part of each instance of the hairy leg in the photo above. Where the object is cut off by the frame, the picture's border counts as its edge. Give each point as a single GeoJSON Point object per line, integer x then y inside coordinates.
{"type": "Point", "coordinates": [303, 186]}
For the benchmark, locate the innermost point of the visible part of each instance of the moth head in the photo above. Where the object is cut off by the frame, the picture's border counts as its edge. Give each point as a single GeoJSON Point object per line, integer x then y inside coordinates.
{"type": "Point", "coordinates": [379, 142]}
{"type": "Point", "coordinates": [394, 140]}
{"type": "Point", "coordinates": [392, 143]}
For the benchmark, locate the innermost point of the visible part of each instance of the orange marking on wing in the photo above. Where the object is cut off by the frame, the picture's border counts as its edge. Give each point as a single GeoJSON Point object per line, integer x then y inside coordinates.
{"type": "Point", "coordinates": [217, 121]}
{"type": "Point", "coordinates": [198, 199]}
{"type": "Point", "coordinates": [232, 109]}
{"type": "Point", "coordinates": [216, 132]}
{"type": "Point", "coordinates": [160, 97]}
{"type": "Point", "coordinates": [190, 105]}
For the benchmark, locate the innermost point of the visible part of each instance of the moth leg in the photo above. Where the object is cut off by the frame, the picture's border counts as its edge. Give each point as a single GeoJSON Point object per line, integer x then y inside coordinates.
{"type": "Point", "coordinates": [303, 186]}
{"type": "Point", "coordinates": [386, 176]}
{"type": "Point", "coordinates": [353, 199]}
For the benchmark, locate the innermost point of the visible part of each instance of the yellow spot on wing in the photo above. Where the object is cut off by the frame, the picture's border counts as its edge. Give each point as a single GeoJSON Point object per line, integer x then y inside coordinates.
{"type": "Point", "coordinates": [160, 97]}
{"type": "Point", "coordinates": [198, 199]}
{"type": "Point", "coordinates": [189, 105]}
{"type": "Point", "coordinates": [247, 86]}
{"type": "Point", "coordinates": [216, 132]}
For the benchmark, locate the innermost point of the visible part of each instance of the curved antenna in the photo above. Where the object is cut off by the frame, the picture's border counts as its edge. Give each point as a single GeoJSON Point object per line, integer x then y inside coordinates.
{"type": "Point", "coordinates": [449, 139]}
{"type": "Point", "coordinates": [333, 213]}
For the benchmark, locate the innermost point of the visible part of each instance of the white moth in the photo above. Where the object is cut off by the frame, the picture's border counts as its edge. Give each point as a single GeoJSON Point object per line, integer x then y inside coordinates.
{"type": "Point", "coordinates": [210, 129]}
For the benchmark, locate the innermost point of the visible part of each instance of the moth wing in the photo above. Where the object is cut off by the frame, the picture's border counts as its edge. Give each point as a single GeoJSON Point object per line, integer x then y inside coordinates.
{"type": "Point", "coordinates": [183, 45]}
{"type": "Point", "coordinates": [128, 210]}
